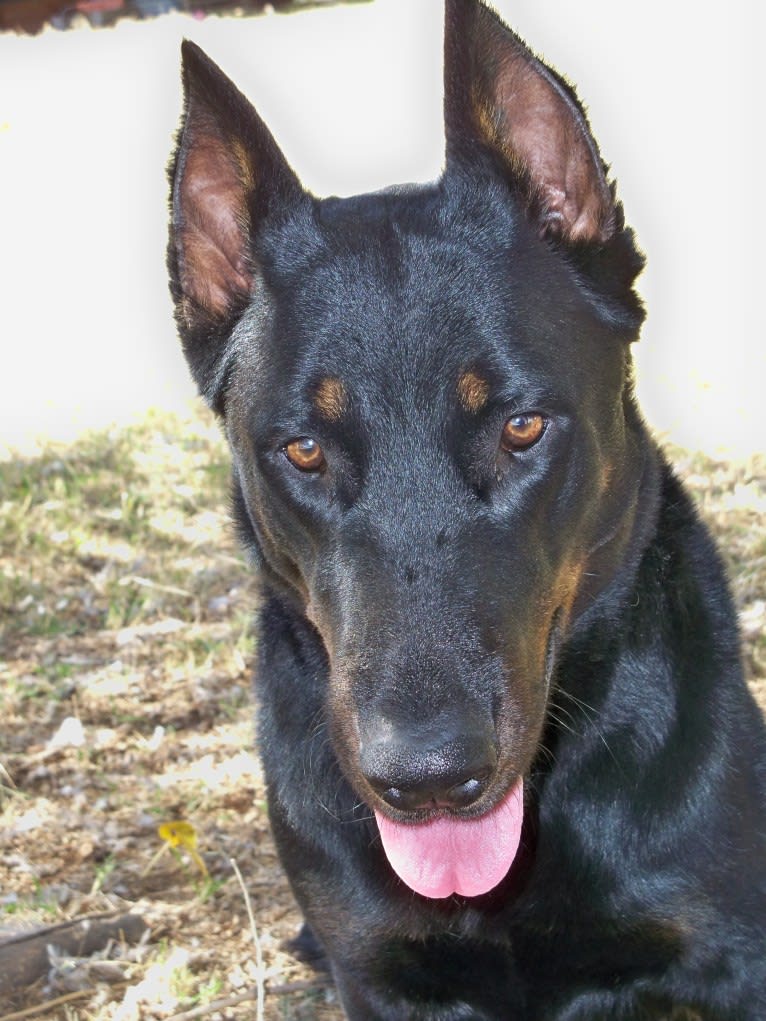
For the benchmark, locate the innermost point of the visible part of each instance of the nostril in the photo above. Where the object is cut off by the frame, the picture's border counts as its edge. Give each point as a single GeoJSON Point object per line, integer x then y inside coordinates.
{"type": "Point", "coordinates": [464, 794]}
{"type": "Point", "coordinates": [431, 795]}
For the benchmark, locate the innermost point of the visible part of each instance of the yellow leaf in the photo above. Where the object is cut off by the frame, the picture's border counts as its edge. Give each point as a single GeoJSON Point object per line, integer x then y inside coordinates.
{"type": "Point", "coordinates": [182, 834]}
{"type": "Point", "coordinates": [178, 834]}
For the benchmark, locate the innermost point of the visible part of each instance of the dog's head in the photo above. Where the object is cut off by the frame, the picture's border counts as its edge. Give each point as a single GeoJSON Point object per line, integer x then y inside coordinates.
{"type": "Point", "coordinates": [427, 395]}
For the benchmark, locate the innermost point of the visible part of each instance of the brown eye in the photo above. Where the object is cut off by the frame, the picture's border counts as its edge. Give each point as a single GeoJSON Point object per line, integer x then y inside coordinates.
{"type": "Point", "coordinates": [521, 432]}
{"type": "Point", "coordinates": [305, 454]}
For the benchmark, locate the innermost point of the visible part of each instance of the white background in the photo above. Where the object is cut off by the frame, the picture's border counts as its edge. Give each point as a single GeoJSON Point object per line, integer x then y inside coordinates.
{"type": "Point", "coordinates": [353, 94]}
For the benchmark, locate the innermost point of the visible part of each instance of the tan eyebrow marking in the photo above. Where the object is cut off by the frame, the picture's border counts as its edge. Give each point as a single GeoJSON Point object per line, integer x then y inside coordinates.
{"type": "Point", "coordinates": [330, 398]}
{"type": "Point", "coordinates": [472, 391]}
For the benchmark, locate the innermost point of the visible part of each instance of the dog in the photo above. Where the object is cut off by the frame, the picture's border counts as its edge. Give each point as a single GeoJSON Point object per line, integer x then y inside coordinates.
{"type": "Point", "coordinates": [514, 772]}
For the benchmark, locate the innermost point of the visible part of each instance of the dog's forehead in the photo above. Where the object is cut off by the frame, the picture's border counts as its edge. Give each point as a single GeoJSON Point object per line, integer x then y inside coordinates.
{"type": "Point", "coordinates": [421, 286]}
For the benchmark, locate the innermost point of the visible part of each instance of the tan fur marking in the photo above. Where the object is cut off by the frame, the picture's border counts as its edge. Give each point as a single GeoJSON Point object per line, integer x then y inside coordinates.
{"type": "Point", "coordinates": [244, 164]}
{"type": "Point", "coordinates": [569, 583]}
{"type": "Point", "coordinates": [472, 391]}
{"type": "Point", "coordinates": [331, 399]}
{"type": "Point", "coordinates": [607, 474]}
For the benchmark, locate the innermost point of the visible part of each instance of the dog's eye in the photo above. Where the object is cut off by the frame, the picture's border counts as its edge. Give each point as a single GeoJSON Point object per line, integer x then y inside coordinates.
{"type": "Point", "coordinates": [305, 454]}
{"type": "Point", "coordinates": [521, 432]}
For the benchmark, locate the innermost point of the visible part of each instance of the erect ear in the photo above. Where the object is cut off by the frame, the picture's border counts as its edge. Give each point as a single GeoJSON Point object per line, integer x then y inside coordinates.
{"type": "Point", "coordinates": [499, 96]}
{"type": "Point", "coordinates": [227, 177]}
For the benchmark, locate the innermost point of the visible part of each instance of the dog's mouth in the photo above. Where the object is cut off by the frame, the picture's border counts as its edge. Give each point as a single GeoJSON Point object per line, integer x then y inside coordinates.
{"type": "Point", "coordinates": [450, 854]}
{"type": "Point", "coordinates": [447, 853]}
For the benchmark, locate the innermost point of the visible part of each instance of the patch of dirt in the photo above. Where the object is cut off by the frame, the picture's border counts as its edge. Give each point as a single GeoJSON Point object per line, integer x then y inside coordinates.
{"type": "Point", "coordinates": [125, 614]}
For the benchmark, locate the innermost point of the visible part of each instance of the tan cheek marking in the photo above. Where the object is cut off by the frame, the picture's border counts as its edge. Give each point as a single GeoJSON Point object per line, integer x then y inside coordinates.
{"type": "Point", "coordinates": [564, 591]}
{"type": "Point", "coordinates": [472, 391]}
{"type": "Point", "coordinates": [331, 399]}
{"type": "Point", "coordinates": [570, 581]}
{"type": "Point", "coordinates": [607, 474]}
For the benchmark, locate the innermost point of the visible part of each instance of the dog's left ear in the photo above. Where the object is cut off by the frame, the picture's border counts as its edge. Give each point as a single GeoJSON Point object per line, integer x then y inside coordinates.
{"type": "Point", "coordinates": [500, 97]}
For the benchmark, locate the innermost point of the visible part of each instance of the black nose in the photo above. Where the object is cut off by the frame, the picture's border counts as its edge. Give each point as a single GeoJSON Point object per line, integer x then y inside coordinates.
{"type": "Point", "coordinates": [412, 773]}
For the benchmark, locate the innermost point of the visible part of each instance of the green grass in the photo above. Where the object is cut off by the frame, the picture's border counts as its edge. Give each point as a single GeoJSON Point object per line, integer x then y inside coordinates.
{"type": "Point", "coordinates": [119, 530]}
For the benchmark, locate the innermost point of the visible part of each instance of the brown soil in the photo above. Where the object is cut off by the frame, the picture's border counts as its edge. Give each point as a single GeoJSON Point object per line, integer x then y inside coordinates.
{"type": "Point", "coordinates": [125, 700]}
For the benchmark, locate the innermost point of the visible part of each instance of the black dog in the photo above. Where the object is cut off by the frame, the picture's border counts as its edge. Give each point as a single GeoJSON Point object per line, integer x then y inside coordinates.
{"type": "Point", "coordinates": [513, 770]}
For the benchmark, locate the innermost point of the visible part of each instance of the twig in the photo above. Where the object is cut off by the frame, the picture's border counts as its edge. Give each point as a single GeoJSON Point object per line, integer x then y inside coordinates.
{"type": "Point", "coordinates": [304, 985]}
{"type": "Point", "coordinates": [253, 993]}
{"type": "Point", "coordinates": [11, 786]}
{"type": "Point", "coordinates": [153, 861]}
{"type": "Point", "coordinates": [80, 994]}
{"type": "Point", "coordinates": [259, 972]}
{"type": "Point", "coordinates": [283, 989]}
{"type": "Point", "coordinates": [209, 1008]}
{"type": "Point", "coordinates": [135, 579]}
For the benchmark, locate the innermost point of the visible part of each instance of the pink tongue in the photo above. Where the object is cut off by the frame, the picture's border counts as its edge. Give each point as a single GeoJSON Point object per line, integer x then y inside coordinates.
{"type": "Point", "coordinates": [449, 855]}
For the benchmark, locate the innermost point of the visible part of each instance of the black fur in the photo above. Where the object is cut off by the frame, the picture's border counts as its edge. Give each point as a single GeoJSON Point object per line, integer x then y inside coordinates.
{"type": "Point", "coordinates": [446, 611]}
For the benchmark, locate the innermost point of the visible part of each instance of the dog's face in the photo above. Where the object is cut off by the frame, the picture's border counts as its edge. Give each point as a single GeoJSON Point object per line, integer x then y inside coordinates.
{"type": "Point", "coordinates": [428, 401]}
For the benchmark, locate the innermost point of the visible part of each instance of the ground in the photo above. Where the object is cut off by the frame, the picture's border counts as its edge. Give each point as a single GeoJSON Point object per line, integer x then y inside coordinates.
{"type": "Point", "coordinates": [125, 694]}
{"type": "Point", "coordinates": [125, 629]}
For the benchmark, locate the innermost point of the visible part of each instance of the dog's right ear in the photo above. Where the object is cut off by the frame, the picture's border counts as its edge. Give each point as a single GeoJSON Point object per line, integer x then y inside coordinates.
{"type": "Point", "coordinates": [500, 99]}
{"type": "Point", "coordinates": [227, 177]}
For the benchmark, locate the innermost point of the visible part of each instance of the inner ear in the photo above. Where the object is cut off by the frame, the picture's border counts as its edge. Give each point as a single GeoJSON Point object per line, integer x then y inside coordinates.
{"type": "Point", "coordinates": [228, 176]}
{"type": "Point", "coordinates": [215, 271]}
{"type": "Point", "coordinates": [538, 123]}
{"type": "Point", "coordinates": [499, 95]}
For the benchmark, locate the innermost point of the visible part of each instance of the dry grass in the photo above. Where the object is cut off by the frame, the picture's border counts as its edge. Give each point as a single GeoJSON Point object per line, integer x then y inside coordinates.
{"type": "Point", "coordinates": [125, 615]}
{"type": "Point", "coordinates": [124, 690]}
